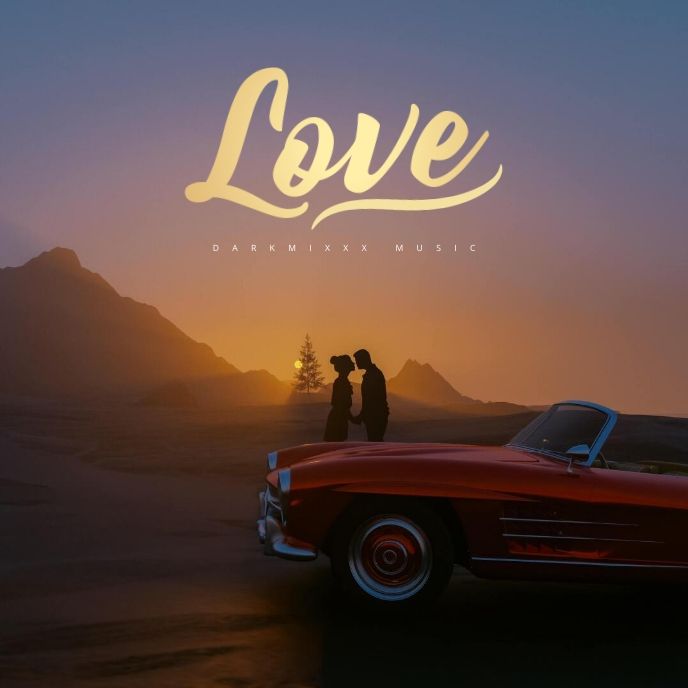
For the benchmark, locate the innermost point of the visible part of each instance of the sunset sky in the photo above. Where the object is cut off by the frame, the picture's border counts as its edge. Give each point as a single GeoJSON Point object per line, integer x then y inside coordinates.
{"type": "Point", "coordinates": [579, 285]}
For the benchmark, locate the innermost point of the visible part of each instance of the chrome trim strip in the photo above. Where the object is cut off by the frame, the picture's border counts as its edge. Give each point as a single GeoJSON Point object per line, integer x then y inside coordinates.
{"type": "Point", "coordinates": [273, 502]}
{"type": "Point", "coordinates": [284, 482]}
{"type": "Point", "coordinates": [552, 520]}
{"type": "Point", "coordinates": [269, 506]}
{"type": "Point", "coordinates": [591, 404]}
{"type": "Point", "coordinates": [568, 562]}
{"type": "Point", "coordinates": [536, 450]}
{"type": "Point", "coordinates": [596, 445]}
{"type": "Point", "coordinates": [573, 537]}
{"type": "Point", "coordinates": [277, 545]}
{"type": "Point", "coordinates": [272, 461]}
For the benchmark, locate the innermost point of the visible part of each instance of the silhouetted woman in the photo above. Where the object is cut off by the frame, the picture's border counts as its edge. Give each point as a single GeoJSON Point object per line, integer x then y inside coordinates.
{"type": "Point", "coordinates": [337, 428]}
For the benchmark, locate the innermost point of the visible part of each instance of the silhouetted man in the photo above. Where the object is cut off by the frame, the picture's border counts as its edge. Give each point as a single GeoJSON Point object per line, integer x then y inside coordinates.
{"type": "Point", "coordinates": [374, 410]}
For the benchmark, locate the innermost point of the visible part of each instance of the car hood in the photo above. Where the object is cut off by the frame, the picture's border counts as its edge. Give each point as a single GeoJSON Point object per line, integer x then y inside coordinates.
{"type": "Point", "coordinates": [450, 452]}
{"type": "Point", "coordinates": [418, 468]}
{"type": "Point", "coordinates": [354, 451]}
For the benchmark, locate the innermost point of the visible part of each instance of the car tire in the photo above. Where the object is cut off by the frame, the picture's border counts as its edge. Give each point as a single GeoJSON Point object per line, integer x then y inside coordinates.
{"type": "Point", "coordinates": [392, 553]}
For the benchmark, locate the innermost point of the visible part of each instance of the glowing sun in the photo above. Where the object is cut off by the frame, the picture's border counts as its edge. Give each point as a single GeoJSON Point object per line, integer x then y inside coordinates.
{"type": "Point", "coordinates": [298, 365]}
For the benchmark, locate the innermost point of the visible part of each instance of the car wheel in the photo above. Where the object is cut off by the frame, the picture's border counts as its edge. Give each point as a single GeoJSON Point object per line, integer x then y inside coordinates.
{"type": "Point", "coordinates": [392, 553]}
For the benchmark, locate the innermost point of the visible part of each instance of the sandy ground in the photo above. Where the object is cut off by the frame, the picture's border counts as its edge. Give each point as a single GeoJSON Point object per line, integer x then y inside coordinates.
{"type": "Point", "coordinates": [155, 578]}
{"type": "Point", "coordinates": [135, 580]}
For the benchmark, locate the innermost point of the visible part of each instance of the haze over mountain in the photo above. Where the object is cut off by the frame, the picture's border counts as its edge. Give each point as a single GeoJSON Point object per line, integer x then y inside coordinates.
{"type": "Point", "coordinates": [65, 330]}
{"type": "Point", "coordinates": [421, 382]}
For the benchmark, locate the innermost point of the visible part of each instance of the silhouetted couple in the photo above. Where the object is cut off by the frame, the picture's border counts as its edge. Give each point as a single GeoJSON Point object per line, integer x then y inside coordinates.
{"type": "Point", "coordinates": [374, 410]}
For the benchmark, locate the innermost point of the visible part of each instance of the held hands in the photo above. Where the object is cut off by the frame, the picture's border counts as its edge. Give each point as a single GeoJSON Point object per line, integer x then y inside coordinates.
{"type": "Point", "coordinates": [356, 420]}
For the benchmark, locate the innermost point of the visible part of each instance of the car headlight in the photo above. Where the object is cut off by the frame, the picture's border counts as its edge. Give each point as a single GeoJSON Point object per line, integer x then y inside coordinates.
{"type": "Point", "coordinates": [284, 486]}
{"type": "Point", "coordinates": [272, 461]}
{"type": "Point", "coordinates": [284, 481]}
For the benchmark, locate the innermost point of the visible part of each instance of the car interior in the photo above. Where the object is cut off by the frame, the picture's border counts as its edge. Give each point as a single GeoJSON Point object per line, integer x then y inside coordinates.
{"type": "Point", "coordinates": [644, 466]}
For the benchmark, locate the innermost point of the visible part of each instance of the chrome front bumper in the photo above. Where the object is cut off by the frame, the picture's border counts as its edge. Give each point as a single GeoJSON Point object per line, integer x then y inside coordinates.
{"type": "Point", "coordinates": [272, 537]}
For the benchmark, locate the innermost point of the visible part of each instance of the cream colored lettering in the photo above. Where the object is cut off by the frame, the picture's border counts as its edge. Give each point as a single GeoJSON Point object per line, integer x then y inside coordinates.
{"type": "Point", "coordinates": [232, 142]}
{"type": "Point", "coordinates": [430, 148]}
{"type": "Point", "coordinates": [440, 140]}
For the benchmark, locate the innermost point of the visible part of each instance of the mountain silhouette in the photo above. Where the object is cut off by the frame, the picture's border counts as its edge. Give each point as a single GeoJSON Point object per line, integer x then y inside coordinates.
{"type": "Point", "coordinates": [65, 331]}
{"type": "Point", "coordinates": [252, 388]}
{"type": "Point", "coordinates": [421, 382]}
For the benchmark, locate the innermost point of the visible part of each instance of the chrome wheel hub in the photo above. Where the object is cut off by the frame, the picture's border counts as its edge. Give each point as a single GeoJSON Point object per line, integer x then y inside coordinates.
{"type": "Point", "coordinates": [390, 558]}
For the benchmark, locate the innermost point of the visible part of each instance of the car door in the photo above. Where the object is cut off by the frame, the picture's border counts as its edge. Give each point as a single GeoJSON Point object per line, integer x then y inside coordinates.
{"type": "Point", "coordinates": [600, 516]}
{"type": "Point", "coordinates": [656, 509]}
{"type": "Point", "coordinates": [566, 512]}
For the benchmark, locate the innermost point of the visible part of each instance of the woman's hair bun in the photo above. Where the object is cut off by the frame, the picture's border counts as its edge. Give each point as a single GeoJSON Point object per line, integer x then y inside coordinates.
{"type": "Point", "coordinates": [333, 359]}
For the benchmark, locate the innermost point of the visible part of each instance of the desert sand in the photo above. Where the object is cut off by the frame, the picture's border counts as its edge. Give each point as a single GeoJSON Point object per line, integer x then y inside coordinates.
{"type": "Point", "coordinates": [129, 558]}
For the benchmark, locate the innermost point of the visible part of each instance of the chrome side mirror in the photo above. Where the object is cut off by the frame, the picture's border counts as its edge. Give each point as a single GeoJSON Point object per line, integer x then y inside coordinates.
{"type": "Point", "coordinates": [578, 451]}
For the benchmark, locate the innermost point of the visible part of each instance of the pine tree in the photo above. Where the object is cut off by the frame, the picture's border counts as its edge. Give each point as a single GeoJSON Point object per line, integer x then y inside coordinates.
{"type": "Point", "coordinates": [308, 377]}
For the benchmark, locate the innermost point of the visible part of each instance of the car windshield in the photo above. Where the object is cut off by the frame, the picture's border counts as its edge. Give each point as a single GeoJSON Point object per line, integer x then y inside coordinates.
{"type": "Point", "coordinates": [562, 427]}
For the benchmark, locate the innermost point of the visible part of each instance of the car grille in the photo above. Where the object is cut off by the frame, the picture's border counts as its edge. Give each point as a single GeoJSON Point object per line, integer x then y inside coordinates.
{"type": "Point", "coordinates": [272, 504]}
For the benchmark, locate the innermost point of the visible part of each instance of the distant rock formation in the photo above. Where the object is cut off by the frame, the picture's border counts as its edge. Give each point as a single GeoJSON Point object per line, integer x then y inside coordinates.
{"type": "Point", "coordinates": [170, 395]}
{"type": "Point", "coordinates": [65, 331]}
{"type": "Point", "coordinates": [252, 388]}
{"type": "Point", "coordinates": [421, 382]}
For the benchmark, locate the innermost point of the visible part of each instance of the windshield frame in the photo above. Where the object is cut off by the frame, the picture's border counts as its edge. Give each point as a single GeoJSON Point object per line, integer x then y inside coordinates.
{"type": "Point", "coordinates": [595, 447]}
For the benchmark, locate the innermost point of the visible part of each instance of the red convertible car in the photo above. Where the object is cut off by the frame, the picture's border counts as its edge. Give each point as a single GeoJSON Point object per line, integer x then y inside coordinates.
{"type": "Point", "coordinates": [395, 518]}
